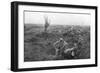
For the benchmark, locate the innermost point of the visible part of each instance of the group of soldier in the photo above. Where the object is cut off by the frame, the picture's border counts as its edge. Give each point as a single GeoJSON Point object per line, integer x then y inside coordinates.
{"type": "Point", "coordinates": [63, 51]}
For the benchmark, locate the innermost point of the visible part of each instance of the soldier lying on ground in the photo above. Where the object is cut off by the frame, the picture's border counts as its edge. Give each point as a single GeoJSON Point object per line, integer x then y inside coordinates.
{"type": "Point", "coordinates": [69, 53]}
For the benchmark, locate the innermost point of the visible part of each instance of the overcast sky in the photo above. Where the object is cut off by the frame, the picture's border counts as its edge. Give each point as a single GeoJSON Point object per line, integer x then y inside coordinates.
{"type": "Point", "coordinates": [57, 18]}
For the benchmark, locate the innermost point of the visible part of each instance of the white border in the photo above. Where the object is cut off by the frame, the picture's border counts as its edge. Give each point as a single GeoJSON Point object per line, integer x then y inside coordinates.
{"type": "Point", "coordinates": [22, 64]}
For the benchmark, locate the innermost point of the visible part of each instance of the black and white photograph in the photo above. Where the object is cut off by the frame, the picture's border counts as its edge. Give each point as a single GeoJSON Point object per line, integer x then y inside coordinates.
{"type": "Point", "coordinates": [56, 36]}
{"type": "Point", "coordinates": [53, 36]}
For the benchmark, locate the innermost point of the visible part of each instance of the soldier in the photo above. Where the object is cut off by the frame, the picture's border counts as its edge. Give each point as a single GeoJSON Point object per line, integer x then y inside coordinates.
{"type": "Point", "coordinates": [59, 45]}
{"type": "Point", "coordinates": [69, 53]}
